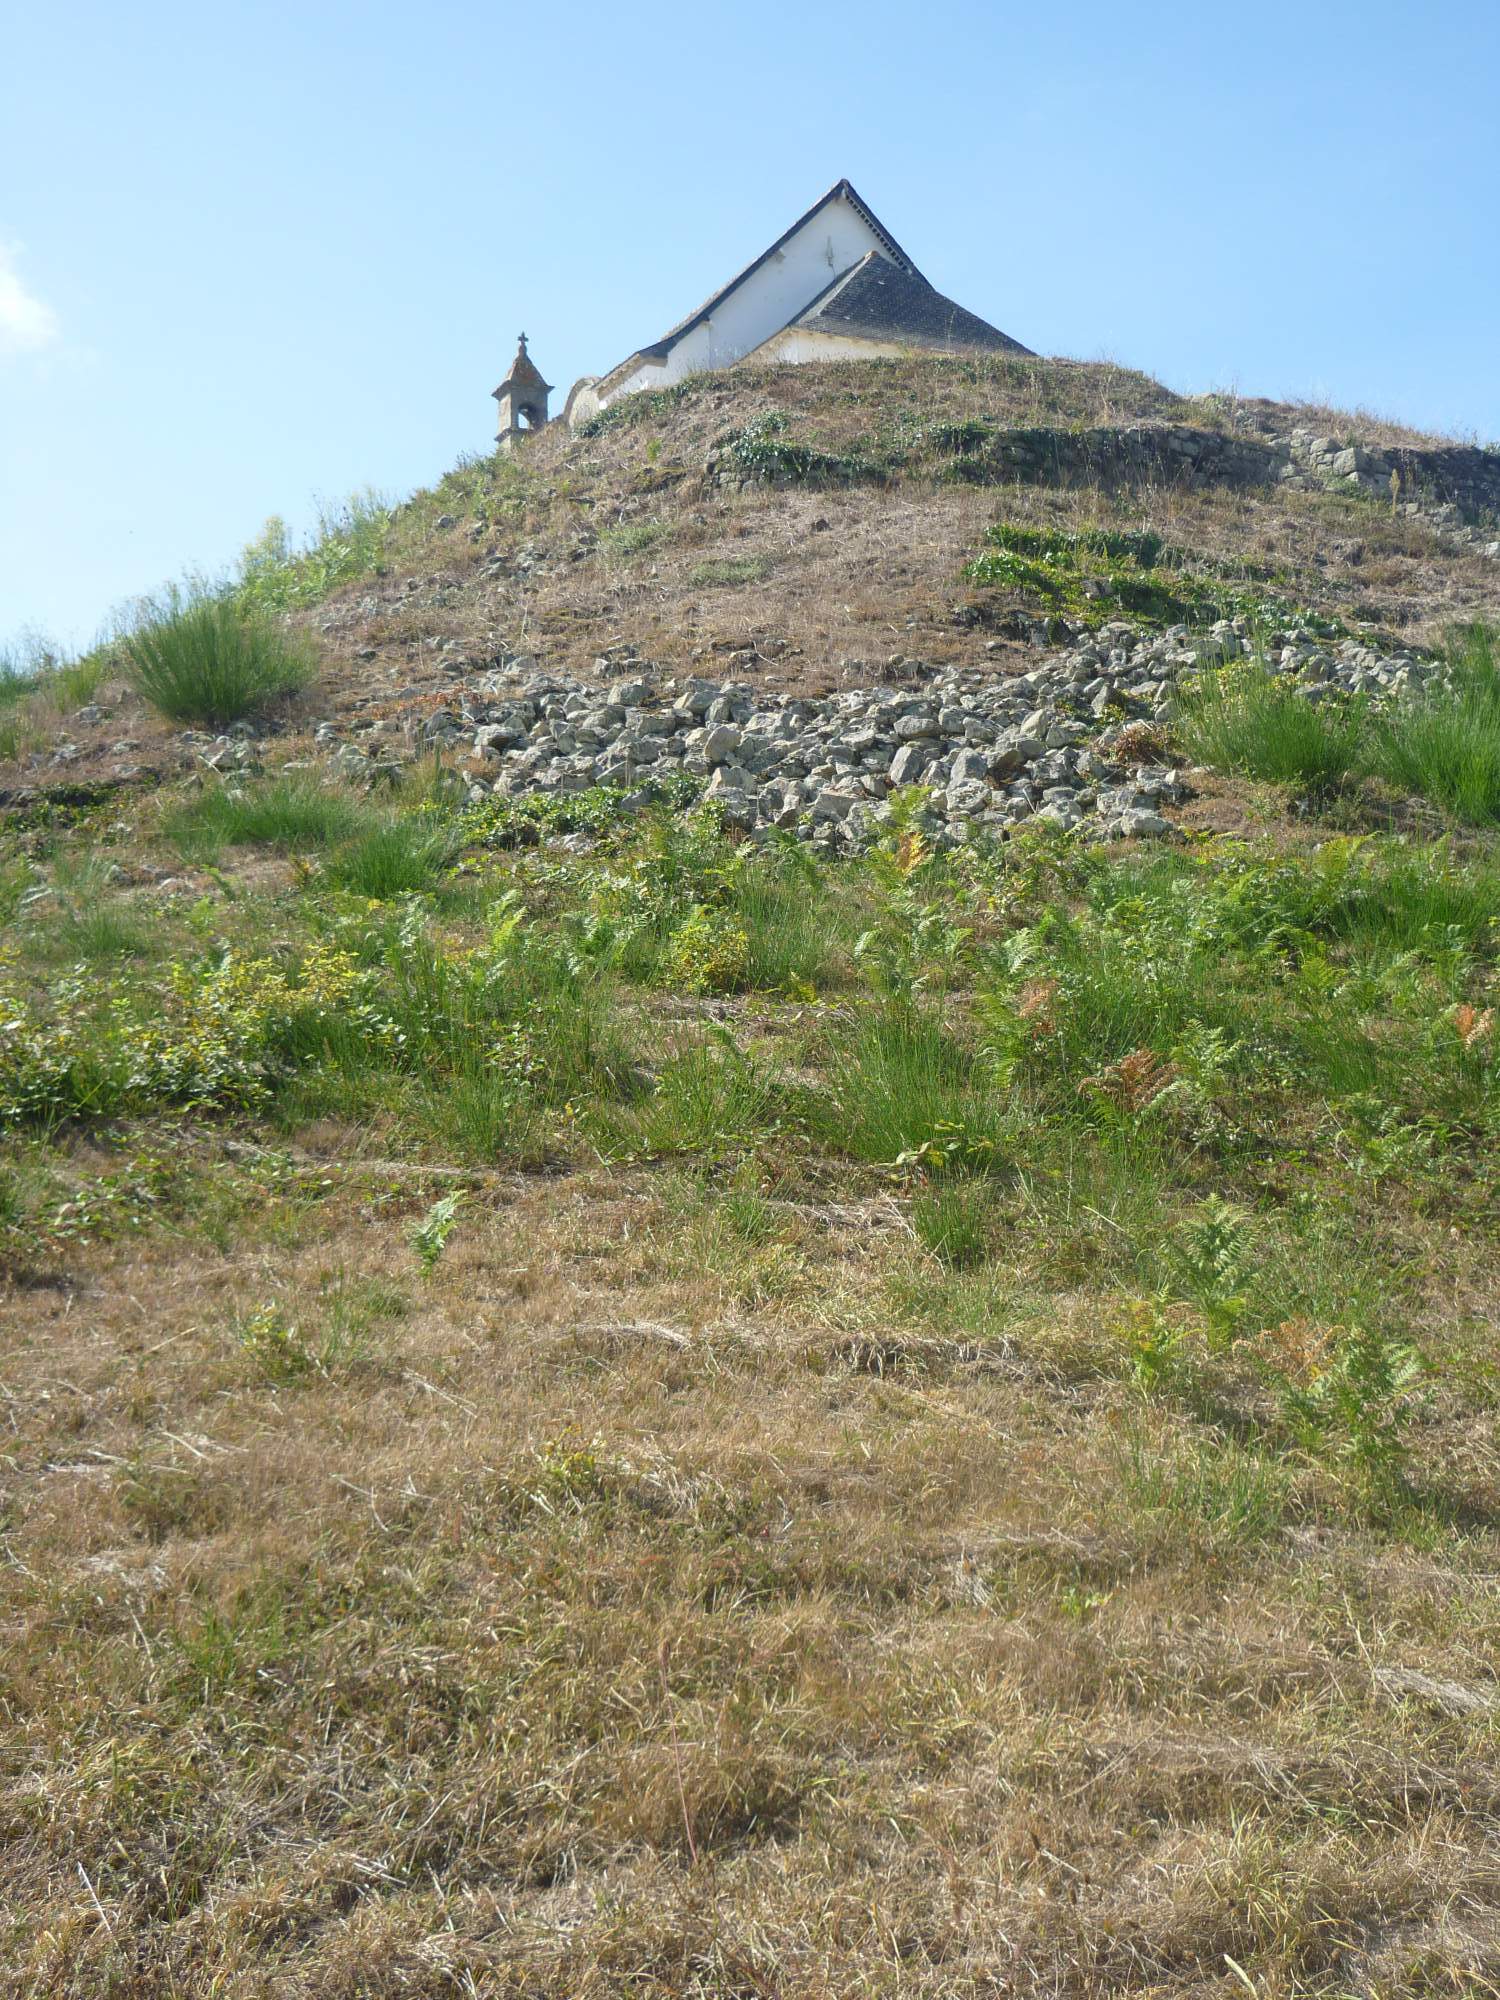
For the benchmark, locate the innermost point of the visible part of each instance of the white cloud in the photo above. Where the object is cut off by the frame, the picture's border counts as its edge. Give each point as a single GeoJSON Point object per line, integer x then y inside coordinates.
{"type": "Point", "coordinates": [27, 324]}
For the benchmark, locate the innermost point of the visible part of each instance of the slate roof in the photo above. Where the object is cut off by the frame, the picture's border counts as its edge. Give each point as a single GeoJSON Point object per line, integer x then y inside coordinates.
{"type": "Point", "coordinates": [524, 373]}
{"type": "Point", "coordinates": [877, 299]}
{"type": "Point", "coordinates": [841, 190]}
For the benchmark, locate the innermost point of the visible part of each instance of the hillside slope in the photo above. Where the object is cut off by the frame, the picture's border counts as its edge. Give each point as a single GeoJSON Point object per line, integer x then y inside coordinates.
{"type": "Point", "coordinates": [764, 1261]}
{"type": "Point", "coordinates": [621, 547]}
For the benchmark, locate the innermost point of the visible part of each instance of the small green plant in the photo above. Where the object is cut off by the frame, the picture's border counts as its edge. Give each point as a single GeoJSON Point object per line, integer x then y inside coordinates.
{"type": "Point", "coordinates": [710, 1098]}
{"type": "Point", "coordinates": [635, 538]}
{"type": "Point", "coordinates": [276, 1347]}
{"type": "Point", "coordinates": [728, 571]}
{"type": "Point", "coordinates": [763, 450]}
{"type": "Point", "coordinates": [395, 859]}
{"type": "Point", "coordinates": [630, 411]}
{"type": "Point", "coordinates": [569, 1476]}
{"type": "Point", "coordinates": [1212, 1254]}
{"type": "Point", "coordinates": [355, 1310]}
{"type": "Point", "coordinates": [1095, 574]}
{"type": "Point", "coordinates": [351, 539]}
{"type": "Point", "coordinates": [500, 823]}
{"type": "Point", "coordinates": [1082, 570]}
{"type": "Point", "coordinates": [957, 440]}
{"type": "Point", "coordinates": [429, 1236]}
{"type": "Point", "coordinates": [951, 1222]}
{"type": "Point", "coordinates": [707, 953]}
{"type": "Point", "coordinates": [1156, 1342]}
{"type": "Point", "coordinates": [1346, 1393]}
{"type": "Point", "coordinates": [12, 1200]}
{"type": "Point", "coordinates": [1211, 1490]}
{"type": "Point", "coordinates": [26, 665]}
{"type": "Point", "coordinates": [209, 659]}
{"type": "Point", "coordinates": [904, 1092]}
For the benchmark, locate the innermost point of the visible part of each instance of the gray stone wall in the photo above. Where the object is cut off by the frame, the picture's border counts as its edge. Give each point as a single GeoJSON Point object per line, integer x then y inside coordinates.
{"type": "Point", "coordinates": [1456, 483]}
{"type": "Point", "coordinates": [1456, 487]}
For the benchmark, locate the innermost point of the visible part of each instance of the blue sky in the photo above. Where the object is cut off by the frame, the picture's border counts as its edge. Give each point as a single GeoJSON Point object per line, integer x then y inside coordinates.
{"type": "Point", "coordinates": [251, 255]}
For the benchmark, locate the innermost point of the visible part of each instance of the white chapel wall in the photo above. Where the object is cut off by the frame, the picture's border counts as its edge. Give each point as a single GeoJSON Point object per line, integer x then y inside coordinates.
{"type": "Point", "coordinates": [801, 343]}
{"type": "Point", "coordinates": [805, 265]}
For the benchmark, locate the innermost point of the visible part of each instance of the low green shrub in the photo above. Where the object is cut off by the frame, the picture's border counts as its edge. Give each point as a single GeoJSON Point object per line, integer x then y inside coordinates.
{"type": "Point", "coordinates": [707, 953]}
{"type": "Point", "coordinates": [1096, 573]}
{"type": "Point", "coordinates": [213, 1032]}
{"type": "Point", "coordinates": [1346, 1394]}
{"type": "Point", "coordinates": [351, 540]}
{"type": "Point", "coordinates": [763, 449]}
{"type": "Point", "coordinates": [646, 406]}
{"type": "Point", "coordinates": [500, 823]}
{"type": "Point", "coordinates": [210, 659]}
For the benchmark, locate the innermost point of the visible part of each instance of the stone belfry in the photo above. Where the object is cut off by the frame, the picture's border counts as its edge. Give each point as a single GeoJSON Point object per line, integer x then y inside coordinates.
{"type": "Point", "coordinates": [522, 399]}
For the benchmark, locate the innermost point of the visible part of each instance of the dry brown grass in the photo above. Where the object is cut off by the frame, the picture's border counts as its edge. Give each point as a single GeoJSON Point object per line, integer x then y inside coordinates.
{"type": "Point", "coordinates": [351, 1684]}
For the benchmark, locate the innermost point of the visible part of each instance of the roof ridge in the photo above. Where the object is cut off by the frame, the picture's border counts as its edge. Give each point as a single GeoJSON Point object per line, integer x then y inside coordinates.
{"type": "Point", "coordinates": [852, 194]}
{"type": "Point", "coordinates": [842, 189]}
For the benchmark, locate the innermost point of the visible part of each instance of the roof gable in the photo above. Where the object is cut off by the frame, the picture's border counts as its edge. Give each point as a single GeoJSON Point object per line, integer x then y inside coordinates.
{"type": "Point", "coordinates": [842, 190]}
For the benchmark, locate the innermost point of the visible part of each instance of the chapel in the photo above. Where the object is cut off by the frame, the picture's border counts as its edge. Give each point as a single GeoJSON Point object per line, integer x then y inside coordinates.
{"type": "Point", "coordinates": [836, 285]}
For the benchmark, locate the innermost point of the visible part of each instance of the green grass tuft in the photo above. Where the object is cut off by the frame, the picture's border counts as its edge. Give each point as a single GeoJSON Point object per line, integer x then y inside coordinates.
{"type": "Point", "coordinates": [211, 660]}
{"type": "Point", "coordinates": [1247, 719]}
{"type": "Point", "coordinates": [395, 859]}
{"type": "Point", "coordinates": [288, 814]}
{"type": "Point", "coordinates": [1446, 745]}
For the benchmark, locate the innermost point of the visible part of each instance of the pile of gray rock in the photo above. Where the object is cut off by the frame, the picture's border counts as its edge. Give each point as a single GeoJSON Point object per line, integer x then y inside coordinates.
{"type": "Point", "coordinates": [1076, 737]}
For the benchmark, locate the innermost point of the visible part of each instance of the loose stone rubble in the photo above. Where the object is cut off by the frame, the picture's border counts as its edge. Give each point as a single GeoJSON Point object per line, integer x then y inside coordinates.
{"type": "Point", "coordinates": [1075, 738]}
